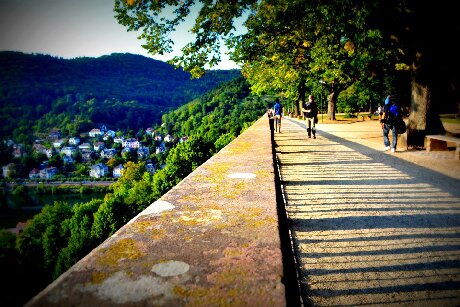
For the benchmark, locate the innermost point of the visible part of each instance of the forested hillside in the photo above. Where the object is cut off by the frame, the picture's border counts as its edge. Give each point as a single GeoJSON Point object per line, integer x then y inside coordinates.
{"type": "Point", "coordinates": [62, 234]}
{"type": "Point", "coordinates": [40, 92]}
{"type": "Point", "coordinates": [224, 112]}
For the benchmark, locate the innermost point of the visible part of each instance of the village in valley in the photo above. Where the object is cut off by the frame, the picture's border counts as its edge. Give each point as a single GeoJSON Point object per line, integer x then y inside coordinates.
{"type": "Point", "coordinates": [95, 155]}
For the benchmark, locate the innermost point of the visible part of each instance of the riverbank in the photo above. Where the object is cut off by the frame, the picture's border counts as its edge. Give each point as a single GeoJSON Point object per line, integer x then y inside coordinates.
{"type": "Point", "coordinates": [60, 183]}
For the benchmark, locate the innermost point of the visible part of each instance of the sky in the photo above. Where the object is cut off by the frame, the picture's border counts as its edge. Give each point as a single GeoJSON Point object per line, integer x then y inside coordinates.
{"type": "Point", "coordinates": [74, 28]}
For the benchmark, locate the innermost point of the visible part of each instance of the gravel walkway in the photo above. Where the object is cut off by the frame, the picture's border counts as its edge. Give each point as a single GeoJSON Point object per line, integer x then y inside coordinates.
{"type": "Point", "coordinates": [369, 227]}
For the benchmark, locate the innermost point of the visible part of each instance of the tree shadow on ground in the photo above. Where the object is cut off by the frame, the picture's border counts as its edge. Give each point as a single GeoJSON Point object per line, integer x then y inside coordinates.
{"type": "Point", "coordinates": [369, 227]}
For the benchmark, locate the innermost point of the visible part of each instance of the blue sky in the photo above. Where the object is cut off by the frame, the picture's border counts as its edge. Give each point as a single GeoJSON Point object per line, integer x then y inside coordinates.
{"type": "Point", "coordinates": [73, 28]}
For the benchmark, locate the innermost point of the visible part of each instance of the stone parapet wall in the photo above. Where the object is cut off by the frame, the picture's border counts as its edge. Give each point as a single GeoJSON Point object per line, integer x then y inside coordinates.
{"type": "Point", "coordinates": [213, 240]}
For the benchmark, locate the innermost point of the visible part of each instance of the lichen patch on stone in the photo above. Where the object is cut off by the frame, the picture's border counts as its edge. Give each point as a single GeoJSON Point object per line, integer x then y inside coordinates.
{"type": "Point", "coordinates": [124, 249]}
{"type": "Point", "coordinates": [242, 176]}
{"type": "Point", "coordinates": [158, 207]}
{"type": "Point", "coordinates": [170, 268]}
{"type": "Point", "coordinates": [120, 288]}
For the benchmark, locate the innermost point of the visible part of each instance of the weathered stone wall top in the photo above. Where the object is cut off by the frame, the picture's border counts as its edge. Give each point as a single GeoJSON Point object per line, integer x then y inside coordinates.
{"type": "Point", "coordinates": [211, 241]}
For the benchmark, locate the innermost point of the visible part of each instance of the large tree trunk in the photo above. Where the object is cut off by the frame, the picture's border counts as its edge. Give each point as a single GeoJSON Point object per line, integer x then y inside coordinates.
{"type": "Point", "coordinates": [332, 102]}
{"type": "Point", "coordinates": [424, 118]}
{"type": "Point", "coordinates": [301, 100]}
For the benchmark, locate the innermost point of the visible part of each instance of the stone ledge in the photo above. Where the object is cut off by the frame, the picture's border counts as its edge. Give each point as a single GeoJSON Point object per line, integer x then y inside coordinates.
{"type": "Point", "coordinates": [212, 240]}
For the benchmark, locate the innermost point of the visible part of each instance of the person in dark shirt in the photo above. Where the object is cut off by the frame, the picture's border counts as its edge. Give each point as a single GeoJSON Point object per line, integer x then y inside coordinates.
{"type": "Point", "coordinates": [310, 112]}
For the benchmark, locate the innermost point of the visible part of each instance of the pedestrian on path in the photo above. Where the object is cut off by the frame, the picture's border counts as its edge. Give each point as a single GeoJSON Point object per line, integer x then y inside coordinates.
{"type": "Point", "coordinates": [271, 119]}
{"type": "Point", "coordinates": [390, 117]}
{"type": "Point", "coordinates": [310, 112]}
{"type": "Point", "coordinates": [278, 110]}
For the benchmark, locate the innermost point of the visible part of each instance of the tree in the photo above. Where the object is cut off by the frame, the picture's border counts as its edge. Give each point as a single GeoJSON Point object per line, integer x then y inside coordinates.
{"type": "Point", "coordinates": [80, 241]}
{"type": "Point", "coordinates": [9, 267]}
{"type": "Point", "coordinates": [423, 32]}
{"type": "Point", "coordinates": [213, 25]}
{"type": "Point", "coordinates": [39, 244]}
{"type": "Point", "coordinates": [288, 45]}
{"type": "Point", "coordinates": [223, 140]}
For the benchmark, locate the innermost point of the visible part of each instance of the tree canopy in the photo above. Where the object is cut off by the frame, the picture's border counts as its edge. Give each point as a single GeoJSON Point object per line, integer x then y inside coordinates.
{"type": "Point", "coordinates": [362, 50]}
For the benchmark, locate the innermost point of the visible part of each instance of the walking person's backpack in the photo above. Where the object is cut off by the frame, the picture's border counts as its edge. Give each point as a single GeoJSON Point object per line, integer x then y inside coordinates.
{"type": "Point", "coordinates": [393, 114]}
{"type": "Point", "coordinates": [395, 118]}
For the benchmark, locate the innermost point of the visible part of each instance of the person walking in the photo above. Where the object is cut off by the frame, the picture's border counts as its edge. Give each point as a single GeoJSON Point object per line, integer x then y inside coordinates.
{"type": "Point", "coordinates": [389, 121]}
{"type": "Point", "coordinates": [278, 111]}
{"type": "Point", "coordinates": [271, 119]}
{"type": "Point", "coordinates": [310, 111]}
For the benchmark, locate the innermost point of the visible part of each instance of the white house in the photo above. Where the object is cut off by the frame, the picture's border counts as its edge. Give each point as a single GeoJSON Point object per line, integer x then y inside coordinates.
{"type": "Point", "coordinates": [68, 151]}
{"type": "Point", "coordinates": [48, 173]}
{"type": "Point", "coordinates": [95, 132]}
{"type": "Point", "coordinates": [58, 143]}
{"type": "Point", "coordinates": [98, 146]}
{"type": "Point", "coordinates": [18, 150]}
{"type": "Point", "coordinates": [74, 141]}
{"type": "Point", "coordinates": [9, 170]}
{"type": "Point", "coordinates": [127, 150]}
{"type": "Point", "coordinates": [131, 143]}
{"type": "Point", "coordinates": [161, 148]}
{"type": "Point", "coordinates": [85, 146]}
{"type": "Point", "coordinates": [99, 170]}
{"type": "Point", "coordinates": [110, 133]}
{"type": "Point", "coordinates": [118, 140]}
{"type": "Point", "coordinates": [108, 153]}
{"type": "Point", "coordinates": [49, 152]}
{"type": "Point", "coordinates": [117, 171]}
{"type": "Point", "coordinates": [168, 138]}
{"type": "Point", "coordinates": [158, 137]}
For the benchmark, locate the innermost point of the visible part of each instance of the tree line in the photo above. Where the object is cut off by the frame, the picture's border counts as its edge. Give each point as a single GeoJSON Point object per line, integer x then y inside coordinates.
{"type": "Point", "coordinates": [355, 51]}
{"type": "Point", "coordinates": [41, 92]}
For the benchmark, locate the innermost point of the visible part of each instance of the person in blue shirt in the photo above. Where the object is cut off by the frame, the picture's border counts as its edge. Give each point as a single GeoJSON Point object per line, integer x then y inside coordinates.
{"type": "Point", "coordinates": [391, 112]}
{"type": "Point", "coordinates": [278, 110]}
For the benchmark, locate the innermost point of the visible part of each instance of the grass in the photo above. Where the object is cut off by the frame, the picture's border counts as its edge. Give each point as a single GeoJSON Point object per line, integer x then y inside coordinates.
{"type": "Point", "coordinates": [450, 118]}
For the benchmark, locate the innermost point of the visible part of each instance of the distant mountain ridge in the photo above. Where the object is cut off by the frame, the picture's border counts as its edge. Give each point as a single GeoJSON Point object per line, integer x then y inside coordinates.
{"type": "Point", "coordinates": [39, 81]}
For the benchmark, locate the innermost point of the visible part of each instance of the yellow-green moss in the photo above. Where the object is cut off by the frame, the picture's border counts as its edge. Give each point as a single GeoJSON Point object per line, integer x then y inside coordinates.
{"type": "Point", "coordinates": [122, 249]}
{"type": "Point", "coordinates": [231, 276]}
{"type": "Point", "coordinates": [148, 227]}
{"type": "Point", "coordinates": [217, 171]}
{"type": "Point", "coordinates": [255, 217]}
{"type": "Point", "coordinates": [99, 277]}
{"type": "Point", "coordinates": [242, 146]}
{"type": "Point", "coordinates": [184, 292]}
{"type": "Point", "coordinates": [213, 296]}
{"type": "Point", "coordinates": [141, 226]}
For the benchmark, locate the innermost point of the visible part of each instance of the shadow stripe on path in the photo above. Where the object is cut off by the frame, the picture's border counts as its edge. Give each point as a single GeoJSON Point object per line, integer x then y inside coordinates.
{"type": "Point", "coordinates": [382, 223]}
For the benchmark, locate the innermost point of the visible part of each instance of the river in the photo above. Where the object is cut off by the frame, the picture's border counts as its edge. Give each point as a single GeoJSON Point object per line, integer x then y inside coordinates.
{"type": "Point", "coordinates": [20, 208]}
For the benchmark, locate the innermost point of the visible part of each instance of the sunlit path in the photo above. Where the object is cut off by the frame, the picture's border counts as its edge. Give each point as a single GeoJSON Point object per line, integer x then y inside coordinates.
{"type": "Point", "coordinates": [368, 228]}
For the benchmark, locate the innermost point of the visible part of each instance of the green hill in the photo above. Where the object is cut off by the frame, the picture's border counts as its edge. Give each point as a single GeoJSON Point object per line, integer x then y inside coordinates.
{"type": "Point", "coordinates": [41, 92]}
